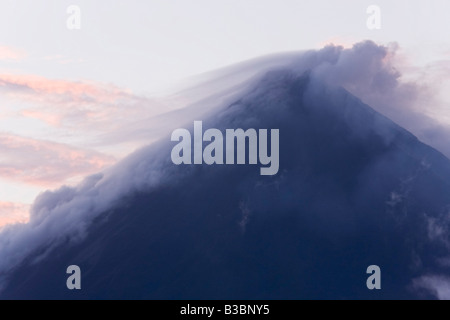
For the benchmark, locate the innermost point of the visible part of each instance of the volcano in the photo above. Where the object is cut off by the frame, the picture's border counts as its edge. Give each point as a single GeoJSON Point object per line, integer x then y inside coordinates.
{"type": "Point", "coordinates": [353, 189]}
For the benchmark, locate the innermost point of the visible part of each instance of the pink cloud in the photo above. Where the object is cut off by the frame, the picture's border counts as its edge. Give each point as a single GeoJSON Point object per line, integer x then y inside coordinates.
{"type": "Point", "coordinates": [45, 163]}
{"type": "Point", "coordinates": [52, 119]}
{"type": "Point", "coordinates": [85, 104]}
{"type": "Point", "coordinates": [10, 53]}
{"type": "Point", "coordinates": [13, 213]}
{"type": "Point", "coordinates": [76, 91]}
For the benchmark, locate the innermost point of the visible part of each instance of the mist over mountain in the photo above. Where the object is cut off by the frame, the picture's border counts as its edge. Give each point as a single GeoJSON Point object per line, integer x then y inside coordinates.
{"type": "Point", "coordinates": [354, 189]}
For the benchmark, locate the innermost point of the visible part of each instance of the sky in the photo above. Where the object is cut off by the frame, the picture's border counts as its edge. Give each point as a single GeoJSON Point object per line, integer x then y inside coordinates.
{"type": "Point", "coordinates": [67, 93]}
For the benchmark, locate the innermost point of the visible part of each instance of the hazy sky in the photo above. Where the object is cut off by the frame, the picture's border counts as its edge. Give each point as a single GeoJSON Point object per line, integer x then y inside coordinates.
{"type": "Point", "coordinates": [62, 89]}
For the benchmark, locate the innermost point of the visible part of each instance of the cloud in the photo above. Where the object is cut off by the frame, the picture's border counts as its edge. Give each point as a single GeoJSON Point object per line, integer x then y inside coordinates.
{"type": "Point", "coordinates": [10, 53]}
{"type": "Point", "coordinates": [381, 76]}
{"type": "Point", "coordinates": [85, 105]}
{"type": "Point", "coordinates": [13, 213]}
{"type": "Point", "coordinates": [372, 73]}
{"type": "Point", "coordinates": [45, 163]}
{"type": "Point", "coordinates": [438, 286]}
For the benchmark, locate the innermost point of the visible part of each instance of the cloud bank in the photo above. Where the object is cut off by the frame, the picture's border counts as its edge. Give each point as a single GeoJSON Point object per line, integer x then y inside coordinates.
{"type": "Point", "coordinates": [13, 213]}
{"type": "Point", "coordinates": [11, 53]}
{"type": "Point", "coordinates": [84, 104]}
{"type": "Point", "coordinates": [46, 163]}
